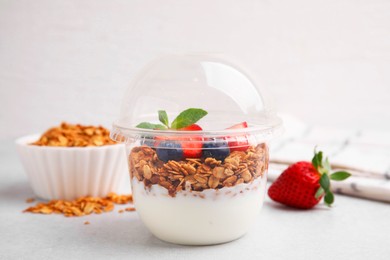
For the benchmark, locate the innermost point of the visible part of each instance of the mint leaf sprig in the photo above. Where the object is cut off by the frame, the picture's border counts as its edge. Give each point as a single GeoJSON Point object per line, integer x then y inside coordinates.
{"type": "Point", "coordinates": [163, 117]}
{"type": "Point", "coordinates": [186, 118]}
{"type": "Point", "coordinates": [147, 125]}
{"type": "Point", "coordinates": [324, 168]}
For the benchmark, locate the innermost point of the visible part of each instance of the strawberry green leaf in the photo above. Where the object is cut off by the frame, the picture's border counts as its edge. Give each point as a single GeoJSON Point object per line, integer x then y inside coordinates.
{"type": "Point", "coordinates": [188, 117]}
{"type": "Point", "coordinates": [325, 182]}
{"type": "Point", "coordinates": [146, 125]}
{"type": "Point", "coordinates": [163, 117]}
{"type": "Point", "coordinates": [339, 176]}
{"type": "Point", "coordinates": [317, 160]}
{"type": "Point", "coordinates": [329, 198]}
{"type": "Point", "coordinates": [320, 158]}
{"type": "Point", "coordinates": [319, 192]}
{"type": "Point", "coordinates": [314, 161]}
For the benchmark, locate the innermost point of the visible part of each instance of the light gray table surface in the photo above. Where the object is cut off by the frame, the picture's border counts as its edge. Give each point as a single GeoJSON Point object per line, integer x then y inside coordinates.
{"type": "Point", "coordinates": [352, 229]}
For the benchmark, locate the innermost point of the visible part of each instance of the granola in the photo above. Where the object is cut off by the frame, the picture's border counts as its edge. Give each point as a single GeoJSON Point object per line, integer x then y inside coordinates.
{"type": "Point", "coordinates": [69, 135]}
{"type": "Point", "coordinates": [198, 174]}
{"type": "Point", "coordinates": [82, 206]}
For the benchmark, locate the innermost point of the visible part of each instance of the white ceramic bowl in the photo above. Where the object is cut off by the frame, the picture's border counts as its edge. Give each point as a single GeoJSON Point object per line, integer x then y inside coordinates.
{"type": "Point", "coordinates": [72, 172]}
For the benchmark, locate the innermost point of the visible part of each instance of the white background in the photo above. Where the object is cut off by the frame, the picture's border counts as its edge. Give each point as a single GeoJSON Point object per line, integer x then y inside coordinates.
{"type": "Point", "coordinates": [326, 62]}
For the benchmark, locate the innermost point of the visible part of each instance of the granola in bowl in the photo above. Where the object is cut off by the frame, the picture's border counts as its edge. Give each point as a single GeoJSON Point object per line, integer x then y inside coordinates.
{"type": "Point", "coordinates": [75, 135]}
{"type": "Point", "coordinates": [73, 160]}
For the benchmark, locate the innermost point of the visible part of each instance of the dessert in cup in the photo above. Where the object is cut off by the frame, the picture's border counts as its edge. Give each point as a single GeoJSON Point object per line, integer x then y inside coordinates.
{"type": "Point", "coordinates": [199, 179]}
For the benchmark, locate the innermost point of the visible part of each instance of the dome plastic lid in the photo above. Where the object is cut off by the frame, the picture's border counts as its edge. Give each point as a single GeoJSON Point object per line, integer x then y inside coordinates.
{"type": "Point", "coordinates": [178, 82]}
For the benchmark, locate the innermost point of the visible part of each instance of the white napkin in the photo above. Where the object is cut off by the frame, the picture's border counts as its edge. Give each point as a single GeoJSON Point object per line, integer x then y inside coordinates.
{"type": "Point", "coordinates": [365, 154]}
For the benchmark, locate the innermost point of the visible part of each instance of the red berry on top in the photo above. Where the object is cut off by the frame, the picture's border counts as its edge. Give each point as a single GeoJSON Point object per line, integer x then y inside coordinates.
{"type": "Point", "coordinates": [193, 127]}
{"type": "Point", "coordinates": [192, 145]}
{"type": "Point", "coordinates": [239, 125]}
{"type": "Point", "coordinates": [238, 143]}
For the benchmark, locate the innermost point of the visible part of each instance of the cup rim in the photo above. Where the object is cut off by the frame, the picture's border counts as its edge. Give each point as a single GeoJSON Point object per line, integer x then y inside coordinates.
{"type": "Point", "coordinates": [123, 134]}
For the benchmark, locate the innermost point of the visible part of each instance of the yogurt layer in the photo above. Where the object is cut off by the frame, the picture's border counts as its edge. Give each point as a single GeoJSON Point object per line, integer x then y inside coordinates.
{"type": "Point", "coordinates": [205, 217]}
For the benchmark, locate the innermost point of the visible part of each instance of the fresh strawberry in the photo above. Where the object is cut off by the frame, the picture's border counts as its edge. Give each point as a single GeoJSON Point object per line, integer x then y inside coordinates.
{"type": "Point", "coordinates": [192, 145]}
{"type": "Point", "coordinates": [239, 125]}
{"type": "Point", "coordinates": [193, 127]}
{"type": "Point", "coordinates": [297, 186]}
{"type": "Point", "coordinates": [238, 143]}
{"type": "Point", "coordinates": [303, 184]}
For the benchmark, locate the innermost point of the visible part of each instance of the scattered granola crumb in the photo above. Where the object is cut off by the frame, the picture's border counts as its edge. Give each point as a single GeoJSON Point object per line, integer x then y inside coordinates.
{"type": "Point", "coordinates": [86, 223]}
{"type": "Point", "coordinates": [29, 200]}
{"type": "Point", "coordinates": [81, 206]}
{"type": "Point", "coordinates": [121, 211]}
{"type": "Point", "coordinates": [120, 199]}
{"type": "Point", "coordinates": [69, 135]}
{"type": "Point", "coordinates": [130, 209]}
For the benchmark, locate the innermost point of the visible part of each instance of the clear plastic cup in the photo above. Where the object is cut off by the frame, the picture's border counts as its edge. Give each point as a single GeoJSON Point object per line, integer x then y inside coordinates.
{"type": "Point", "coordinates": [197, 187]}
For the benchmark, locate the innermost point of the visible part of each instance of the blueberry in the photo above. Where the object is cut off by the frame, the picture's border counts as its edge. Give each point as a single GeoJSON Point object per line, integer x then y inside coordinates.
{"type": "Point", "coordinates": [169, 150]}
{"type": "Point", "coordinates": [147, 140]}
{"type": "Point", "coordinates": [216, 148]}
